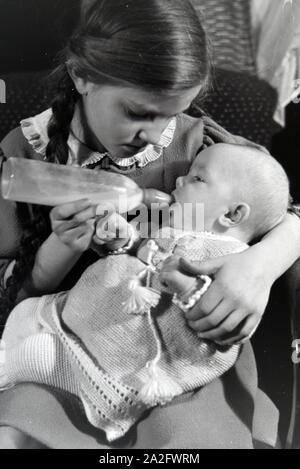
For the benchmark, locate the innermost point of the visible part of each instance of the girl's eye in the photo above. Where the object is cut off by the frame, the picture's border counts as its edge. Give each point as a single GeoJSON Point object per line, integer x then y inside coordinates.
{"type": "Point", "coordinates": [133, 115]}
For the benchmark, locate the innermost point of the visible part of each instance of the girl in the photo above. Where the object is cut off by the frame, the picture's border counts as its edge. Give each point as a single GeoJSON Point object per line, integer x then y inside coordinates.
{"type": "Point", "coordinates": [127, 75]}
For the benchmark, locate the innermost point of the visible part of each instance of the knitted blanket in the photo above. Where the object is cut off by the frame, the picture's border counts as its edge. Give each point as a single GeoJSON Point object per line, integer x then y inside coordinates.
{"type": "Point", "coordinates": [85, 341]}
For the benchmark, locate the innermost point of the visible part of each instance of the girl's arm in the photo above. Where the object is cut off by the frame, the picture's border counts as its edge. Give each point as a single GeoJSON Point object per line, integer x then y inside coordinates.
{"type": "Point", "coordinates": [73, 229]}
{"type": "Point", "coordinates": [234, 304]}
{"type": "Point", "coordinates": [53, 262]}
{"type": "Point", "coordinates": [281, 247]}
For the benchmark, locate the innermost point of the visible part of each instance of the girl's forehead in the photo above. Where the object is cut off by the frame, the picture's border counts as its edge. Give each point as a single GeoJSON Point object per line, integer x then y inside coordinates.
{"type": "Point", "coordinates": [150, 100]}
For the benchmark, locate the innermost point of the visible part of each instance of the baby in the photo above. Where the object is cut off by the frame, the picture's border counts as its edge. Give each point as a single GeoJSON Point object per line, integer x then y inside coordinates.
{"type": "Point", "coordinates": [119, 340]}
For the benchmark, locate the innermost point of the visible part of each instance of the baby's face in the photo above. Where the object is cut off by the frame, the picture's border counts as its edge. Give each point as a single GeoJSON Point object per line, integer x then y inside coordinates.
{"type": "Point", "coordinates": [204, 193]}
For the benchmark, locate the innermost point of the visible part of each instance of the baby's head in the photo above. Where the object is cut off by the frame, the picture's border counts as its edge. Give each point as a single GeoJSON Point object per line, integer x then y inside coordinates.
{"type": "Point", "coordinates": [244, 191]}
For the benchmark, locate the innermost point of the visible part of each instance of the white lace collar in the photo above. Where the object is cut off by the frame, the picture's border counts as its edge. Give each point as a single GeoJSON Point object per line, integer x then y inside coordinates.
{"type": "Point", "coordinates": [35, 132]}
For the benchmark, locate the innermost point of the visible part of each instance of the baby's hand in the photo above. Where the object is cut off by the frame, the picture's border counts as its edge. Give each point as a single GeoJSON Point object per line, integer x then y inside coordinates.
{"type": "Point", "coordinates": [112, 230]}
{"type": "Point", "coordinates": [174, 281]}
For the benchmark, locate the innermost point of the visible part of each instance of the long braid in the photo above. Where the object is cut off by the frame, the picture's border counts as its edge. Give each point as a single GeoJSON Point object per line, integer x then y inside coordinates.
{"type": "Point", "coordinates": [63, 107]}
{"type": "Point", "coordinates": [34, 221]}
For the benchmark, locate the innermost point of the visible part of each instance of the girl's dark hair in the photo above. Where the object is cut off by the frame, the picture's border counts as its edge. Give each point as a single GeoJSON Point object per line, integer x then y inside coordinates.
{"type": "Point", "coordinates": [153, 44]}
{"type": "Point", "coordinates": [156, 45]}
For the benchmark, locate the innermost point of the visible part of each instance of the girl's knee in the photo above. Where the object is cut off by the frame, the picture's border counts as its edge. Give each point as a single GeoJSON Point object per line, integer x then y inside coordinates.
{"type": "Point", "coordinates": [22, 323]}
{"type": "Point", "coordinates": [10, 438]}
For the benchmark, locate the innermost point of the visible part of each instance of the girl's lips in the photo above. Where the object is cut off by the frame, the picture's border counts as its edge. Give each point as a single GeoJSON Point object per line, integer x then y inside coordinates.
{"type": "Point", "coordinates": [131, 150]}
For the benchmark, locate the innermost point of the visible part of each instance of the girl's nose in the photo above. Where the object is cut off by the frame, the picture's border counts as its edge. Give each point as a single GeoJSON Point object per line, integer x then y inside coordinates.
{"type": "Point", "coordinates": [152, 132]}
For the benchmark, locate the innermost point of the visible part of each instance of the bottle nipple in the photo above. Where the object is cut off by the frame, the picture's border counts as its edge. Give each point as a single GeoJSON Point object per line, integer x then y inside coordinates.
{"type": "Point", "coordinates": [152, 196]}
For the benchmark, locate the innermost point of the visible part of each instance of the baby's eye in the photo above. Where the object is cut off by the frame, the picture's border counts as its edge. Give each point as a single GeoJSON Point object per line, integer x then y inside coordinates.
{"type": "Point", "coordinates": [198, 179]}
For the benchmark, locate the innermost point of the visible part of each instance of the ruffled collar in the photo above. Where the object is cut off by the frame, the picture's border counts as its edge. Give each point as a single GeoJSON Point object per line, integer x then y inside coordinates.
{"type": "Point", "coordinates": [35, 131]}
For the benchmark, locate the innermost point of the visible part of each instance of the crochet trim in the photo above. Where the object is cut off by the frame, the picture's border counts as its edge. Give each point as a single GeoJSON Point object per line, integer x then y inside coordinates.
{"type": "Point", "coordinates": [142, 158]}
{"type": "Point", "coordinates": [35, 130]}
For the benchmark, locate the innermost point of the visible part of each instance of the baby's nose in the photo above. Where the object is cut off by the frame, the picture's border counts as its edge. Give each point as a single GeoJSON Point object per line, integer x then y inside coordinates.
{"type": "Point", "coordinates": [179, 182]}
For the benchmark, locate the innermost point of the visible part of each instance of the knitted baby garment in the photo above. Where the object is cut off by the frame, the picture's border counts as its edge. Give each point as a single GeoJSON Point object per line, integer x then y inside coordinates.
{"type": "Point", "coordinates": [88, 343]}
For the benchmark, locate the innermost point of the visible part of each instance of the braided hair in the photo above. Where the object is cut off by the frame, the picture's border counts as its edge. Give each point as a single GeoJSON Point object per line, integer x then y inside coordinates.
{"type": "Point", "coordinates": [156, 45]}
{"type": "Point", "coordinates": [63, 107]}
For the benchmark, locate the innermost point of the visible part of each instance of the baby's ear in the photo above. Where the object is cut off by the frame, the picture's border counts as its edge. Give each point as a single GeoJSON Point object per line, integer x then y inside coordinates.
{"type": "Point", "coordinates": [235, 216]}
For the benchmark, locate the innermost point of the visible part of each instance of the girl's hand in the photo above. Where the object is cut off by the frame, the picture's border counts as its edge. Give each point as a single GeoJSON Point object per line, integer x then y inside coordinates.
{"type": "Point", "coordinates": [233, 306]}
{"type": "Point", "coordinates": [74, 224]}
{"type": "Point", "coordinates": [112, 230]}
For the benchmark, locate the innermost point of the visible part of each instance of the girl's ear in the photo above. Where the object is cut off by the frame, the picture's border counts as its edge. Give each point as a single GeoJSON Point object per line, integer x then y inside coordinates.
{"type": "Point", "coordinates": [82, 85]}
{"type": "Point", "coordinates": [235, 216]}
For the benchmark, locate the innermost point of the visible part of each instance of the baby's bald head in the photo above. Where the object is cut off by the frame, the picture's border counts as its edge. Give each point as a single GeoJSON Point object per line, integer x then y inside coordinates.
{"type": "Point", "coordinates": [253, 178]}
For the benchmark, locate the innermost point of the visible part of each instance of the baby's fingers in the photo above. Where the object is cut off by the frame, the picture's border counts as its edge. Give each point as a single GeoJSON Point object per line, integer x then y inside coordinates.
{"type": "Point", "coordinates": [105, 238]}
{"type": "Point", "coordinates": [112, 226]}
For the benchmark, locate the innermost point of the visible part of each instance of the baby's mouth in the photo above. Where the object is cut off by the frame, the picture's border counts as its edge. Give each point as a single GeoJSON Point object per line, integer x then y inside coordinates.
{"type": "Point", "coordinates": [174, 197]}
{"type": "Point", "coordinates": [174, 203]}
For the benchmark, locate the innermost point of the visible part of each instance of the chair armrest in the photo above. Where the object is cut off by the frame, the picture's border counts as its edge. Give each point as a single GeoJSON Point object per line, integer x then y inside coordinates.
{"type": "Point", "coordinates": [293, 281]}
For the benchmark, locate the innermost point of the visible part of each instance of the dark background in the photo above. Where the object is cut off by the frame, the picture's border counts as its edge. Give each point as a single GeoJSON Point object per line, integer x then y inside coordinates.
{"type": "Point", "coordinates": [32, 31]}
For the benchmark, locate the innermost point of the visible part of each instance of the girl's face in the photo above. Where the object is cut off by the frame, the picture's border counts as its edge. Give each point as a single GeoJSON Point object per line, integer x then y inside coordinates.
{"type": "Point", "coordinates": [122, 120]}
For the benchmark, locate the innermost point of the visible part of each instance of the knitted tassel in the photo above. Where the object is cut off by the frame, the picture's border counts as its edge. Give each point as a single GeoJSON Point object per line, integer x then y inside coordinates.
{"type": "Point", "coordinates": [141, 298]}
{"type": "Point", "coordinates": [160, 388]}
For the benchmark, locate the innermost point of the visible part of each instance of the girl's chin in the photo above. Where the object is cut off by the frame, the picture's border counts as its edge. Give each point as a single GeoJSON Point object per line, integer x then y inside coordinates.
{"type": "Point", "coordinates": [130, 150]}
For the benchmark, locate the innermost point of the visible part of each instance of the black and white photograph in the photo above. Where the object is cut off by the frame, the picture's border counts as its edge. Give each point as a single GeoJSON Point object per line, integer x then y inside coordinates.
{"type": "Point", "coordinates": [149, 227]}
